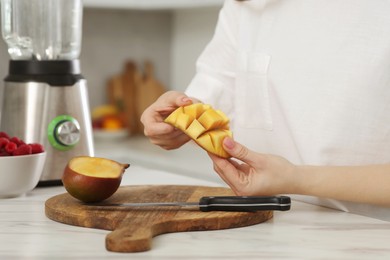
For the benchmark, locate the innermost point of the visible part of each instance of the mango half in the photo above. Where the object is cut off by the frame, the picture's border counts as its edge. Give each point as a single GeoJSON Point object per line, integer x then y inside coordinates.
{"type": "Point", "coordinates": [92, 179]}
{"type": "Point", "coordinates": [205, 125]}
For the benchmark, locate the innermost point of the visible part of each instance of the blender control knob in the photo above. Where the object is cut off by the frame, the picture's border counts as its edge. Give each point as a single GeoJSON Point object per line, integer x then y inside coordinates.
{"type": "Point", "coordinates": [64, 132]}
{"type": "Point", "coordinates": [68, 133]}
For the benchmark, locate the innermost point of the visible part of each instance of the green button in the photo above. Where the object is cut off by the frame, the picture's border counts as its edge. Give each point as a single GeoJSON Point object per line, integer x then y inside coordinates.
{"type": "Point", "coordinates": [52, 132]}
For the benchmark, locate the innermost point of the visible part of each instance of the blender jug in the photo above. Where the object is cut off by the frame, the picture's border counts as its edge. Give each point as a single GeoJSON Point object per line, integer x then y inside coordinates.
{"type": "Point", "coordinates": [45, 97]}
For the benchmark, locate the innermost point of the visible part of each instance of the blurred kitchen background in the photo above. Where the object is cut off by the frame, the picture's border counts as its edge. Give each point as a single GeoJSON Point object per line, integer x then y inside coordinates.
{"type": "Point", "coordinates": [168, 33]}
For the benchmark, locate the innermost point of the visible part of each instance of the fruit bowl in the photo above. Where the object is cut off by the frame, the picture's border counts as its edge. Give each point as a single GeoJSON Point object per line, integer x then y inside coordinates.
{"type": "Point", "coordinates": [20, 174]}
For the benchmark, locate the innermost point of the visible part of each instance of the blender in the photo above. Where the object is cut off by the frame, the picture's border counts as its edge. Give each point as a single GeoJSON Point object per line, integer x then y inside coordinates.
{"type": "Point", "coordinates": [45, 97]}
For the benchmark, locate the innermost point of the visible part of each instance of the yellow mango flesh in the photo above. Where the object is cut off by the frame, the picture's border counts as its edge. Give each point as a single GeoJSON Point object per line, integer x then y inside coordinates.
{"type": "Point", "coordinates": [172, 118]}
{"type": "Point", "coordinates": [183, 121]}
{"type": "Point", "coordinates": [195, 129]}
{"type": "Point", "coordinates": [194, 110]}
{"type": "Point", "coordinates": [206, 126]}
{"type": "Point", "coordinates": [210, 119]}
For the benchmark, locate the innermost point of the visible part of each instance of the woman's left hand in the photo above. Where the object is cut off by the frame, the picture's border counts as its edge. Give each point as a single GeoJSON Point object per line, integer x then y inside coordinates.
{"type": "Point", "coordinates": [254, 174]}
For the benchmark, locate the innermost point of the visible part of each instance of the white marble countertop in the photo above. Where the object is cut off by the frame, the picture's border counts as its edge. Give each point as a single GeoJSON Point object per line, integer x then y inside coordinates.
{"type": "Point", "coordinates": [151, 4]}
{"type": "Point", "coordinates": [189, 160]}
{"type": "Point", "coordinates": [304, 232]}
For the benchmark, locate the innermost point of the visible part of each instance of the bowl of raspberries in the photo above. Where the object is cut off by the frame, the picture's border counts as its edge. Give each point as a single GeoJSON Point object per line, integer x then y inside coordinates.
{"type": "Point", "coordinates": [21, 165]}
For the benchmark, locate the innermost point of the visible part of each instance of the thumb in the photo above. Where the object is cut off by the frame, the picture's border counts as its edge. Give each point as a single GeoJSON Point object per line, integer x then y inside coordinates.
{"type": "Point", "coordinates": [238, 151]}
{"type": "Point", "coordinates": [177, 99]}
{"type": "Point", "coordinates": [183, 100]}
{"type": "Point", "coordinates": [170, 101]}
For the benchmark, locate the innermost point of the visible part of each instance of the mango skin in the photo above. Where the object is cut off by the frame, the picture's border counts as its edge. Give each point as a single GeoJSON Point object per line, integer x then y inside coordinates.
{"type": "Point", "coordinates": [90, 189]}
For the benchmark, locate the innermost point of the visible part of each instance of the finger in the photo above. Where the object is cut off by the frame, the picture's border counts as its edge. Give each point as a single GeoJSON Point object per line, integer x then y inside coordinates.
{"type": "Point", "coordinates": [221, 175]}
{"type": "Point", "coordinates": [234, 162]}
{"type": "Point", "coordinates": [227, 171]}
{"type": "Point", "coordinates": [239, 151]}
{"type": "Point", "coordinates": [215, 159]}
{"type": "Point", "coordinates": [159, 129]}
{"type": "Point", "coordinates": [150, 118]}
{"type": "Point", "coordinates": [243, 167]}
{"type": "Point", "coordinates": [167, 136]}
{"type": "Point", "coordinates": [170, 143]}
{"type": "Point", "coordinates": [170, 101]}
{"type": "Point", "coordinates": [183, 100]}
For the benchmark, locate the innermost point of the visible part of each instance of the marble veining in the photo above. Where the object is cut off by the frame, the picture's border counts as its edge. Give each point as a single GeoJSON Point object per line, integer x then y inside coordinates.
{"type": "Point", "coordinates": [304, 232]}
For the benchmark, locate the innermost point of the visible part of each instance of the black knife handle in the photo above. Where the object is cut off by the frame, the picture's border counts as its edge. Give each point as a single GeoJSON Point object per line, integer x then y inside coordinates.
{"type": "Point", "coordinates": [244, 203]}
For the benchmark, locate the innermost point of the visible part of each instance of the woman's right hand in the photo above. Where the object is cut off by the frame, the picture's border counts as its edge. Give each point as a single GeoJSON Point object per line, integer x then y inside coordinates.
{"type": "Point", "coordinates": [159, 132]}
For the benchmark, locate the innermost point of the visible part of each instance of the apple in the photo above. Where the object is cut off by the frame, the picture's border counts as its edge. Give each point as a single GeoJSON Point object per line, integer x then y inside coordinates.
{"type": "Point", "coordinates": [205, 125]}
{"type": "Point", "coordinates": [92, 179]}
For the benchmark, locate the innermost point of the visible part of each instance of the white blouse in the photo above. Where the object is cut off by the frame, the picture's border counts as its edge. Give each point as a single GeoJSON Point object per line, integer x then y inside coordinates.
{"type": "Point", "coordinates": [306, 80]}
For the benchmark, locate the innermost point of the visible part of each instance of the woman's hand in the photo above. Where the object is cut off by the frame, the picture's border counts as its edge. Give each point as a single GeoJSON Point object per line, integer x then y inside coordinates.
{"type": "Point", "coordinates": [264, 174]}
{"type": "Point", "coordinates": [160, 133]}
{"type": "Point", "coordinates": [257, 174]}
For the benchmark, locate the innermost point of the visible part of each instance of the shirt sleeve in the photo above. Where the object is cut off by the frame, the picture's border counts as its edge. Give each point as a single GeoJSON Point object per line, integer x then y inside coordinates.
{"type": "Point", "coordinates": [213, 82]}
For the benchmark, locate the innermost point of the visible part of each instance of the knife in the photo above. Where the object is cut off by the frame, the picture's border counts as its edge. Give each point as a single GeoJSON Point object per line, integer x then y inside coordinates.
{"type": "Point", "coordinates": [219, 203]}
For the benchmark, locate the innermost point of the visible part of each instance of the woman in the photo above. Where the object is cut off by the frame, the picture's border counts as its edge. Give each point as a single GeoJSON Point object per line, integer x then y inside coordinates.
{"type": "Point", "coordinates": [306, 85]}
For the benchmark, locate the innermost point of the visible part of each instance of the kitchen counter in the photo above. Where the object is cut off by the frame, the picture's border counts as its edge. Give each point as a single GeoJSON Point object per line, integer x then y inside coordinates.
{"type": "Point", "coordinates": [304, 232]}
{"type": "Point", "coordinates": [189, 160]}
{"type": "Point", "coordinates": [151, 4]}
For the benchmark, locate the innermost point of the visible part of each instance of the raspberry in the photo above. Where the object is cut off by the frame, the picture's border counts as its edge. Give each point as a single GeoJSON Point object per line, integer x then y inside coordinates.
{"type": "Point", "coordinates": [16, 140]}
{"type": "Point", "coordinates": [23, 149]}
{"type": "Point", "coordinates": [4, 153]}
{"type": "Point", "coordinates": [16, 146]}
{"type": "Point", "coordinates": [4, 134]}
{"type": "Point", "coordinates": [3, 141]}
{"type": "Point", "coordinates": [36, 148]}
{"type": "Point", "coordinates": [10, 147]}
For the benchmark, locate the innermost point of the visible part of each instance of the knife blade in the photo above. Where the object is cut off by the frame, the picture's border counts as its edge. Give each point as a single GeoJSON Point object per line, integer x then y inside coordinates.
{"type": "Point", "coordinates": [219, 203]}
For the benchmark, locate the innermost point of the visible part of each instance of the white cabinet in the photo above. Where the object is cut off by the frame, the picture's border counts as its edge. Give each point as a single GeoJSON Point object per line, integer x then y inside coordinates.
{"type": "Point", "coordinates": [152, 4]}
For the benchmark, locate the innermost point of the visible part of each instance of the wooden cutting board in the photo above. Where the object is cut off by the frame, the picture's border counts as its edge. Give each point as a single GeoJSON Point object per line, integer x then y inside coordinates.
{"type": "Point", "coordinates": [134, 227]}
